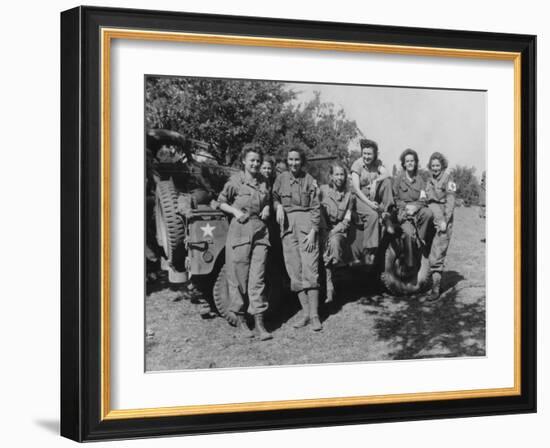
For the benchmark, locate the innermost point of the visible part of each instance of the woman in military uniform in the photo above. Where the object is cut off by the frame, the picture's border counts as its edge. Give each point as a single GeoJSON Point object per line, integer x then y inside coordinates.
{"type": "Point", "coordinates": [409, 191]}
{"type": "Point", "coordinates": [440, 192]}
{"type": "Point", "coordinates": [296, 202]}
{"type": "Point", "coordinates": [373, 192]}
{"type": "Point", "coordinates": [246, 197]}
{"type": "Point", "coordinates": [267, 170]}
{"type": "Point", "coordinates": [336, 207]}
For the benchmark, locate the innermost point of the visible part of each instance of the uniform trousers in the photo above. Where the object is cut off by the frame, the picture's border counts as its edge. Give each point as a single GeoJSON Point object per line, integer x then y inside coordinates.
{"type": "Point", "coordinates": [245, 260]}
{"type": "Point", "coordinates": [423, 219]}
{"type": "Point", "coordinates": [302, 266]}
{"type": "Point", "coordinates": [369, 217]}
{"type": "Point", "coordinates": [441, 240]}
{"type": "Point", "coordinates": [334, 247]}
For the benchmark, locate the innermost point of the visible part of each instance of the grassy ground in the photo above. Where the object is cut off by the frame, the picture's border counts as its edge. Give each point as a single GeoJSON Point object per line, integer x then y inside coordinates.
{"type": "Point", "coordinates": [364, 325]}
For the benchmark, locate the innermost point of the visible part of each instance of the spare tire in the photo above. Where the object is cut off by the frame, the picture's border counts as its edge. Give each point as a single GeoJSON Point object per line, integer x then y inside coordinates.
{"type": "Point", "coordinates": [169, 226]}
{"type": "Point", "coordinates": [398, 284]}
{"type": "Point", "coordinates": [221, 297]}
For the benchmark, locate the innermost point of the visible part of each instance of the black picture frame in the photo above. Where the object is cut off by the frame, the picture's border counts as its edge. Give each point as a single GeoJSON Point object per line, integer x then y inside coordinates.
{"type": "Point", "coordinates": [81, 225]}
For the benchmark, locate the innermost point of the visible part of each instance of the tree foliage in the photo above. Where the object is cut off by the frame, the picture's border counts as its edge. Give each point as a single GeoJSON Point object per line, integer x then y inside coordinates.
{"type": "Point", "coordinates": [467, 184]}
{"type": "Point", "coordinates": [227, 114]}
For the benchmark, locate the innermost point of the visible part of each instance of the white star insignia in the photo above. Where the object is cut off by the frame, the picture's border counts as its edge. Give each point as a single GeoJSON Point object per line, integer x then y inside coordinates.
{"type": "Point", "coordinates": [208, 230]}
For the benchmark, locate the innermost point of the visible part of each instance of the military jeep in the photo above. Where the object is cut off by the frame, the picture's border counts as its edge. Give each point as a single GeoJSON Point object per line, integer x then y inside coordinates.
{"type": "Point", "coordinates": [190, 229]}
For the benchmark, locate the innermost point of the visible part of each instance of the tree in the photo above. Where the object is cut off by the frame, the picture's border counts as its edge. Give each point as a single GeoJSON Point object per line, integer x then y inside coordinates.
{"type": "Point", "coordinates": [467, 184]}
{"type": "Point", "coordinates": [226, 114]}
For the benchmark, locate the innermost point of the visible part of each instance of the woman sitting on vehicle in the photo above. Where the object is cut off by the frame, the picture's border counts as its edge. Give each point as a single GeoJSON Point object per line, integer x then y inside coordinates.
{"type": "Point", "coordinates": [409, 191]}
{"type": "Point", "coordinates": [246, 197]}
{"type": "Point", "coordinates": [336, 207]}
{"type": "Point", "coordinates": [296, 201]}
{"type": "Point", "coordinates": [373, 192]}
{"type": "Point", "coordinates": [440, 192]}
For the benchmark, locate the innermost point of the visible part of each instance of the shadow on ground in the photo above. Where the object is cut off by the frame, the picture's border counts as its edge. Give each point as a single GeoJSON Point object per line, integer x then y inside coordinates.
{"type": "Point", "coordinates": [356, 282]}
{"type": "Point", "coordinates": [454, 326]}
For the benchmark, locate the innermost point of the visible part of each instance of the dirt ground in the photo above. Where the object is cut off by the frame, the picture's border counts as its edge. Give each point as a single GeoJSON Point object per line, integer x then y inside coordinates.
{"type": "Point", "coordinates": [364, 325]}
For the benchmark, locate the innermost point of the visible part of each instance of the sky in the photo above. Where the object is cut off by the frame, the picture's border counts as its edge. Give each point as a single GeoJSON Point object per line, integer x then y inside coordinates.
{"type": "Point", "coordinates": [453, 122]}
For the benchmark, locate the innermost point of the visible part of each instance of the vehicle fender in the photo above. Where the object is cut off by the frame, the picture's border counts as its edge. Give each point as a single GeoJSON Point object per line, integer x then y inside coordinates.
{"type": "Point", "coordinates": [205, 243]}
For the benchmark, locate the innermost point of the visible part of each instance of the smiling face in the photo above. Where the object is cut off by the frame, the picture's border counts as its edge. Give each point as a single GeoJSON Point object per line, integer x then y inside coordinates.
{"type": "Point", "coordinates": [252, 163]}
{"type": "Point", "coordinates": [410, 164]}
{"type": "Point", "coordinates": [436, 167]}
{"type": "Point", "coordinates": [338, 177]}
{"type": "Point", "coordinates": [266, 169]}
{"type": "Point", "coordinates": [368, 155]}
{"type": "Point", "coordinates": [294, 162]}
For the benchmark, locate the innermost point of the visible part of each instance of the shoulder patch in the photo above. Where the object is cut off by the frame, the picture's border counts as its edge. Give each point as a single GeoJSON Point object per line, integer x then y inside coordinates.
{"type": "Point", "coordinates": [451, 186]}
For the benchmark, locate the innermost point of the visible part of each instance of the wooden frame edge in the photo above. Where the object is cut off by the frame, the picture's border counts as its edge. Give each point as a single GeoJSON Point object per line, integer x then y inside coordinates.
{"type": "Point", "coordinates": [107, 34]}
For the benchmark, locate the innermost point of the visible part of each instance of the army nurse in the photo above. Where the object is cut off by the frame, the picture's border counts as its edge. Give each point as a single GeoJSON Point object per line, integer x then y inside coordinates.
{"type": "Point", "coordinates": [296, 201]}
{"type": "Point", "coordinates": [246, 197]}
{"type": "Point", "coordinates": [440, 193]}
{"type": "Point", "coordinates": [336, 207]}
{"type": "Point", "coordinates": [409, 190]}
{"type": "Point", "coordinates": [373, 191]}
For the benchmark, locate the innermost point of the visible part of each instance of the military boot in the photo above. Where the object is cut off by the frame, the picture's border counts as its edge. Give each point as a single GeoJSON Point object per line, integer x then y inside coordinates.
{"type": "Point", "coordinates": [313, 295]}
{"type": "Point", "coordinates": [303, 320]}
{"type": "Point", "coordinates": [243, 326]}
{"type": "Point", "coordinates": [262, 332]}
{"type": "Point", "coordinates": [436, 287]}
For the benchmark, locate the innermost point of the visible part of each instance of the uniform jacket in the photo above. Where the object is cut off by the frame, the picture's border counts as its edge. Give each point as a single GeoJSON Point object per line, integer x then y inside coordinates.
{"type": "Point", "coordinates": [441, 190]}
{"type": "Point", "coordinates": [407, 191]}
{"type": "Point", "coordinates": [334, 205]}
{"type": "Point", "coordinates": [366, 175]}
{"type": "Point", "coordinates": [298, 193]}
{"type": "Point", "coordinates": [248, 194]}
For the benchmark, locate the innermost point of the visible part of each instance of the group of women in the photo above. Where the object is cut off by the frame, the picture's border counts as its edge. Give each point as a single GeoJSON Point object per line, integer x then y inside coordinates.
{"type": "Point", "coordinates": [313, 222]}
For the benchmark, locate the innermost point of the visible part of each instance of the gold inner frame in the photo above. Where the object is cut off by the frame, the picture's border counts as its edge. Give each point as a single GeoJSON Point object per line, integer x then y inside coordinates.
{"type": "Point", "coordinates": [107, 35]}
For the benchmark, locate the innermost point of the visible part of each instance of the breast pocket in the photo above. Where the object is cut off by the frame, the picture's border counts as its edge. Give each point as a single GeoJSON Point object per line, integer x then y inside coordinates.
{"type": "Point", "coordinates": [305, 198]}
{"type": "Point", "coordinates": [243, 198]}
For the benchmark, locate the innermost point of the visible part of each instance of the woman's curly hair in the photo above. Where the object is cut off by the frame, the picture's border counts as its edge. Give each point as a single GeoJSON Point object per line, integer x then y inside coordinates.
{"type": "Point", "coordinates": [442, 159]}
{"type": "Point", "coordinates": [367, 143]}
{"type": "Point", "coordinates": [338, 164]}
{"type": "Point", "coordinates": [301, 150]}
{"type": "Point", "coordinates": [406, 153]}
{"type": "Point", "coordinates": [251, 147]}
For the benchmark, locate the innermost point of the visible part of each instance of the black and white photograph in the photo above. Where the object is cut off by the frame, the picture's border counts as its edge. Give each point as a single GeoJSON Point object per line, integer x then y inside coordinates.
{"type": "Point", "coordinates": [305, 223]}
